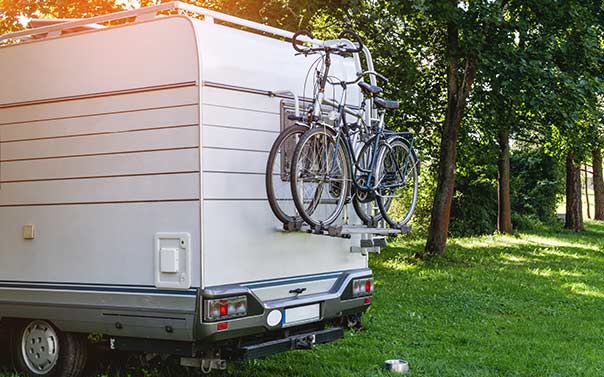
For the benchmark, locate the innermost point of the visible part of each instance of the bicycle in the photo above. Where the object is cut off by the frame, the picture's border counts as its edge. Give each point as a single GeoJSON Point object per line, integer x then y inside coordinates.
{"type": "Point", "coordinates": [279, 160]}
{"type": "Point", "coordinates": [324, 157]}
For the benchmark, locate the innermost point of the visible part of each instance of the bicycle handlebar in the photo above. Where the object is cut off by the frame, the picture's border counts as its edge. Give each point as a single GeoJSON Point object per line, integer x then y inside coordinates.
{"type": "Point", "coordinates": [355, 38]}
{"type": "Point", "coordinates": [328, 46]}
{"type": "Point", "coordinates": [296, 43]}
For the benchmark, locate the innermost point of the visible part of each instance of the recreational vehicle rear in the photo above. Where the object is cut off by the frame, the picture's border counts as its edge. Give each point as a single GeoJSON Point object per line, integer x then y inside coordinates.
{"type": "Point", "coordinates": [132, 199]}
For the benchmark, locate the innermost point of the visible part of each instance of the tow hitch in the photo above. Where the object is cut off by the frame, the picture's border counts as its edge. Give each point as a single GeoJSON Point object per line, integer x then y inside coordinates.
{"type": "Point", "coordinates": [304, 341]}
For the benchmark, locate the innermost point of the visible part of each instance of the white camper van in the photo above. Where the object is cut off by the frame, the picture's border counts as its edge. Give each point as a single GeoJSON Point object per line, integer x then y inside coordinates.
{"type": "Point", "coordinates": [132, 197]}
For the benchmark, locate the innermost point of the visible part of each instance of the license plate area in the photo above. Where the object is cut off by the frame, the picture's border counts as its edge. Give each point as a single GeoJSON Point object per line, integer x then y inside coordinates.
{"type": "Point", "coordinates": [301, 314]}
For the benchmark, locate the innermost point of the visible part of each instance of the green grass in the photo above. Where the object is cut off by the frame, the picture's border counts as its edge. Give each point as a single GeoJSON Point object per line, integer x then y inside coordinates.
{"type": "Point", "coordinates": [525, 305]}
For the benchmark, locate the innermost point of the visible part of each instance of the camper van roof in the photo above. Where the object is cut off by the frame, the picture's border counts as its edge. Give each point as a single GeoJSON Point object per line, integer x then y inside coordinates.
{"type": "Point", "coordinates": [141, 14]}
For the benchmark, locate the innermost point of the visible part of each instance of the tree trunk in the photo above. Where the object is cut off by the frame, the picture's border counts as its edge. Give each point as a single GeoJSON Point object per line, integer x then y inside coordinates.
{"type": "Point", "coordinates": [457, 92]}
{"type": "Point", "coordinates": [504, 206]}
{"type": "Point", "coordinates": [598, 179]}
{"type": "Point", "coordinates": [574, 213]}
{"type": "Point", "coordinates": [587, 192]}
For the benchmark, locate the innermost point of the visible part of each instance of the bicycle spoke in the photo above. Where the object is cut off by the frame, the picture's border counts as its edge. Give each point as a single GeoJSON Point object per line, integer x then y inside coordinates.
{"type": "Point", "coordinates": [397, 195]}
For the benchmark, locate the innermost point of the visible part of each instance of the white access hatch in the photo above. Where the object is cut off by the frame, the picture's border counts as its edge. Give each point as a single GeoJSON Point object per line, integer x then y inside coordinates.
{"type": "Point", "coordinates": [173, 260]}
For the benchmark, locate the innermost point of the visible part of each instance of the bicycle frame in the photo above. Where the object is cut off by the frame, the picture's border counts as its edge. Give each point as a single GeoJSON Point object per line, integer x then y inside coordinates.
{"type": "Point", "coordinates": [366, 118]}
{"type": "Point", "coordinates": [354, 167]}
{"type": "Point", "coordinates": [381, 134]}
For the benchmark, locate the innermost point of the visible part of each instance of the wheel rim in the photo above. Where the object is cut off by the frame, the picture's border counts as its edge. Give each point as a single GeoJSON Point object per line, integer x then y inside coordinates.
{"type": "Point", "coordinates": [40, 347]}
{"type": "Point", "coordinates": [396, 207]}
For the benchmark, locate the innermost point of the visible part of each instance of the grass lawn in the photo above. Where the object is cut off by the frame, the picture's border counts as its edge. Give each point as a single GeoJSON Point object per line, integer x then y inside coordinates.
{"type": "Point", "coordinates": [524, 305]}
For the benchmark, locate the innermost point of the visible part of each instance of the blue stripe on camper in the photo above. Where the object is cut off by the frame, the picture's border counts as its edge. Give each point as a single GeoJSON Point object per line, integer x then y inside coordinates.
{"type": "Point", "coordinates": [95, 288]}
{"type": "Point", "coordinates": [150, 289]}
{"type": "Point", "coordinates": [293, 280]}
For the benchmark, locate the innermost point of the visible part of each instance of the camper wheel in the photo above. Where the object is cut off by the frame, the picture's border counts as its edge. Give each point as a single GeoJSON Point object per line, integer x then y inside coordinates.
{"type": "Point", "coordinates": [41, 350]}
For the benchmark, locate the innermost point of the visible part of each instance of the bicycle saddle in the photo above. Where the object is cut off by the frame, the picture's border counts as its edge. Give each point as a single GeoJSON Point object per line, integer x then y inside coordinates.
{"type": "Point", "coordinates": [386, 104]}
{"type": "Point", "coordinates": [370, 89]}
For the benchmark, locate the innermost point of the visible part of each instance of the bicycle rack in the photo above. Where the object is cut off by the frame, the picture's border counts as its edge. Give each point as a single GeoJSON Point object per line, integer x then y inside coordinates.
{"type": "Point", "coordinates": [372, 238]}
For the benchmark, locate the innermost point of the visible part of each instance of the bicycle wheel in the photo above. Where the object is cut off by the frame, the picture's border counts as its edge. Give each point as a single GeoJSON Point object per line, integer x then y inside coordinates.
{"type": "Point", "coordinates": [278, 172]}
{"type": "Point", "coordinates": [365, 203]}
{"type": "Point", "coordinates": [397, 171]}
{"type": "Point", "coordinates": [320, 181]}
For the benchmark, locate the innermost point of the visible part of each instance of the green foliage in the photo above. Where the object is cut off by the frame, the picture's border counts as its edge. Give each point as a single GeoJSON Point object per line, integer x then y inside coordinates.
{"type": "Point", "coordinates": [537, 186]}
{"type": "Point", "coordinates": [13, 11]}
{"type": "Point", "coordinates": [421, 217]}
{"type": "Point", "coordinates": [474, 209]}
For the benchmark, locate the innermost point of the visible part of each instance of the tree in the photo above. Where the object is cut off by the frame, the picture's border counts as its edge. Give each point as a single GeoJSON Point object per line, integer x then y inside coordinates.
{"type": "Point", "coordinates": [598, 180]}
{"type": "Point", "coordinates": [574, 212]}
{"type": "Point", "coordinates": [596, 159]}
{"type": "Point", "coordinates": [504, 202]}
{"type": "Point", "coordinates": [460, 81]}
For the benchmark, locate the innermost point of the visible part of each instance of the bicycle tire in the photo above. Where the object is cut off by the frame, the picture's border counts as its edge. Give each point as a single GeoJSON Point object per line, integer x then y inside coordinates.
{"type": "Point", "coordinates": [342, 189]}
{"type": "Point", "coordinates": [389, 210]}
{"type": "Point", "coordinates": [285, 215]}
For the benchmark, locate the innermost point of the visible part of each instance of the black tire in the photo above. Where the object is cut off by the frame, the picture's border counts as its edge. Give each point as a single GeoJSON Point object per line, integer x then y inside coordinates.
{"type": "Point", "coordinates": [71, 357]}
{"type": "Point", "coordinates": [286, 214]}
{"type": "Point", "coordinates": [340, 189]}
{"type": "Point", "coordinates": [360, 207]}
{"type": "Point", "coordinates": [398, 204]}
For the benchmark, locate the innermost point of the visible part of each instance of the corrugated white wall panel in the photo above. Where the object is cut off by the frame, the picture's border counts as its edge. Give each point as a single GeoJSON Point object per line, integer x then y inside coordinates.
{"type": "Point", "coordinates": [106, 243]}
{"type": "Point", "coordinates": [115, 122]}
{"type": "Point", "coordinates": [101, 105]}
{"type": "Point", "coordinates": [239, 100]}
{"type": "Point", "coordinates": [132, 56]}
{"type": "Point", "coordinates": [100, 140]}
{"type": "Point", "coordinates": [238, 223]}
{"type": "Point", "coordinates": [233, 186]}
{"type": "Point", "coordinates": [240, 118]}
{"type": "Point", "coordinates": [222, 160]}
{"type": "Point", "coordinates": [114, 189]}
{"type": "Point", "coordinates": [255, 249]}
{"type": "Point", "coordinates": [184, 137]}
{"type": "Point", "coordinates": [232, 138]}
{"type": "Point", "coordinates": [169, 161]}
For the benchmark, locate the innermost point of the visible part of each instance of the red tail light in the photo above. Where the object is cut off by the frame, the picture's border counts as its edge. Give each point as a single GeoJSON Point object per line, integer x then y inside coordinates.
{"type": "Point", "coordinates": [225, 308]}
{"type": "Point", "coordinates": [362, 287]}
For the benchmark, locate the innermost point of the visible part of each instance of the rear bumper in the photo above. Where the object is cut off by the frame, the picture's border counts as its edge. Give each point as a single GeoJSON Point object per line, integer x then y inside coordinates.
{"type": "Point", "coordinates": [334, 304]}
{"type": "Point", "coordinates": [302, 341]}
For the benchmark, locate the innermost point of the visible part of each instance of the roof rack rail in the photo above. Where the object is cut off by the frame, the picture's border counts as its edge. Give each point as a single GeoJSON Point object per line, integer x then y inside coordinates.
{"type": "Point", "coordinates": [147, 13]}
{"type": "Point", "coordinates": [143, 14]}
